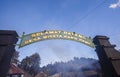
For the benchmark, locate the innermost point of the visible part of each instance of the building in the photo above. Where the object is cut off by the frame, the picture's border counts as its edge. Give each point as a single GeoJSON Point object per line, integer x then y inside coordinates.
{"type": "Point", "coordinates": [15, 71]}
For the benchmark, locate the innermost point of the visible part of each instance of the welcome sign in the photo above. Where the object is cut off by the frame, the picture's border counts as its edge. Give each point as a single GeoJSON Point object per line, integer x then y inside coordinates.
{"type": "Point", "coordinates": [54, 34]}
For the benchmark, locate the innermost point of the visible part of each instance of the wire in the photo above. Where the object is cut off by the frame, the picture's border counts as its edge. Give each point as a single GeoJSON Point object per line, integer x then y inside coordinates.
{"type": "Point", "coordinates": [86, 15]}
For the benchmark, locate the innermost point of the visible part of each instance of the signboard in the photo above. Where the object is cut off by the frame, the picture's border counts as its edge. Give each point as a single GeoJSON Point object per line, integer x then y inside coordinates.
{"type": "Point", "coordinates": [54, 34]}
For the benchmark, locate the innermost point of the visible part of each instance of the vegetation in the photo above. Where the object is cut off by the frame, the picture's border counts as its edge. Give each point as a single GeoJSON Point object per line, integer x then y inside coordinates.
{"type": "Point", "coordinates": [78, 67]}
{"type": "Point", "coordinates": [74, 68]}
{"type": "Point", "coordinates": [15, 57]}
{"type": "Point", "coordinates": [31, 64]}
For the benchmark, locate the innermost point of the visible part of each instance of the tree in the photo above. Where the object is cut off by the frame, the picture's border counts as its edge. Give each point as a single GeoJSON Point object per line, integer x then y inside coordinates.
{"type": "Point", "coordinates": [31, 64]}
{"type": "Point", "coordinates": [14, 58]}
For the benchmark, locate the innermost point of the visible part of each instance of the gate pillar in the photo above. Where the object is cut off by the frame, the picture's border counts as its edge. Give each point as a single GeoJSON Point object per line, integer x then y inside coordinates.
{"type": "Point", "coordinates": [109, 57]}
{"type": "Point", "coordinates": [7, 48]}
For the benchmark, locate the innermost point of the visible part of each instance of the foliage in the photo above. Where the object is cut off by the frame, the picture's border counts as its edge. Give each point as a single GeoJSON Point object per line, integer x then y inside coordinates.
{"type": "Point", "coordinates": [74, 66]}
{"type": "Point", "coordinates": [14, 58]}
{"type": "Point", "coordinates": [31, 64]}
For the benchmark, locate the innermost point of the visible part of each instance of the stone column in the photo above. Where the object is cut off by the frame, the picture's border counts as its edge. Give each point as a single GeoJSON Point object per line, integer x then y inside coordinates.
{"type": "Point", "coordinates": [109, 57]}
{"type": "Point", "coordinates": [7, 48]}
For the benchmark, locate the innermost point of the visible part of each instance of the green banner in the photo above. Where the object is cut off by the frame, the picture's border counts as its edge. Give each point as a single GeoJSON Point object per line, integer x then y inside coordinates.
{"type": "Point", "coordinates": [54, 34]}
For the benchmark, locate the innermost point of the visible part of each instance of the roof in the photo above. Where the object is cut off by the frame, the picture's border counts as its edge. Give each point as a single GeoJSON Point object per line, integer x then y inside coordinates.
{"type": "Point", "coordinates": [15, 70]}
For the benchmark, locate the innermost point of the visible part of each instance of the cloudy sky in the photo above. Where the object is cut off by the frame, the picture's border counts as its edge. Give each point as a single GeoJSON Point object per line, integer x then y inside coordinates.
{"type": "Point", "coordinates": [86, 17]}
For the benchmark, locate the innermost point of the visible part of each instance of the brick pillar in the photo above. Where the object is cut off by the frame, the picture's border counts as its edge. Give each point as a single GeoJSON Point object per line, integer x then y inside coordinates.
{"type": "Point", "coordinates": [109, 57]}
{"type": "Point", "coordinates": [7, 48]}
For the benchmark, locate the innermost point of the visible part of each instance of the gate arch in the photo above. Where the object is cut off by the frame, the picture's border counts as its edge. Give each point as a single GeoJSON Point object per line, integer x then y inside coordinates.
{"type": "Point", "coordinates": [109, 57]}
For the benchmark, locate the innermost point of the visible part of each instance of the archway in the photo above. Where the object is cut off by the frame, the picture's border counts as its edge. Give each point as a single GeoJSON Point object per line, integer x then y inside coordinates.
{"type": "Point", "coordinates": [109, 57]}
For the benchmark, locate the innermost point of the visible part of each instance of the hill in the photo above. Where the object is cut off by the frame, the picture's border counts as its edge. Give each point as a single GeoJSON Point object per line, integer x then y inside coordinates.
{"type": "Point", "coordinates": [78, 67]}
